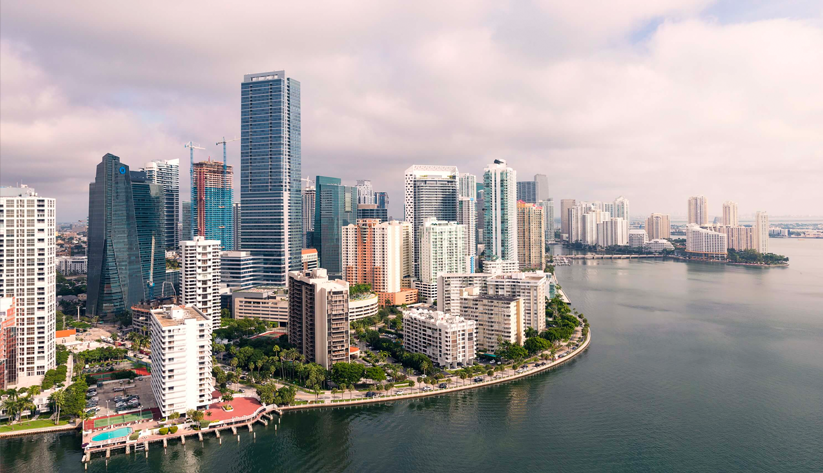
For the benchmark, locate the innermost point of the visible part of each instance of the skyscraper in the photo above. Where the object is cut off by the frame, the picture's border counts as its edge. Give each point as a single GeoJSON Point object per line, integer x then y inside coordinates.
{"type": "Point", "coordinates": [542, 183]}
{"type": "Point", "coordinates": [211, 199]}
{"type": "Point", "coordinates": [235, 215]}
{"type": "Point", "coordinates": [115, 278]}
{"type": "Point", "coordinates": [200, 276]}
{"type": "Point", "coordinates": [531, 244]}
{"type": "Point", "coordinates": [621, 209]}
{"type": "Point", "coordinates": [382, 199]}
{"type": "Point", "coordinates": [167, 174]}
{"type": "Point", "coordinates": [270, 165]}
{"type": "Point", "coordinates": [730, 218]}
{"type": "Point", "coordinates": [335, 207]}
{"type": "Point", "coordinates": [761, 231]}
{"type": "Point", "coordinates": [430, 191]}
{"type": "Point", "coordinates": [500, 235]}
{"type": "Point", "coordinates": [30, 232]}
{"type": "Point", "coordinates": [365, 192]}
{"type": "Point", "coordinates": [467, 185]}
{"type": "Point", "coordinates": [374, 253]}
{"type": "Point", "coordinates": [150, 215]}
{"type": "Point", "coordinates": [308, 191]}
{"type": "Point", "coordinates": [698, 210]}
{"type": "Point", "coordinates": [467, 216]}
{"type": "Point", "coordinates": [565, 205]}
{"type": "Point", "coordinates": [658, 226]}
{"type": "Point", "coordinates": [527, 191]}
{"type": "Point", "coordinates": [548, 218]}
{"type": "Point", "coordinates": [186, 232]}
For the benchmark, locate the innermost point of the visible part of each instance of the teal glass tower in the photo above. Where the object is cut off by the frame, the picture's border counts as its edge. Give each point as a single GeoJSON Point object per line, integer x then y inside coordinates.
{"type": "Point", "coordinates": [270, 157]}
{"type": "Point", "coordinates": [150, 214]}
{"type": "Point", "coordinates": [115, 280]}
{"type": "Point", "coordinates": [335, 207]}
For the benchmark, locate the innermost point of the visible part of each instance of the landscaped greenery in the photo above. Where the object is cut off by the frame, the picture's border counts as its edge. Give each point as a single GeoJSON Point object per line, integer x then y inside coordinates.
{"type": "Point", "coordinates": [54, 376]}
{"type": "Point", "coordinates": [234, 329]}
{"type": "Point", "coordinates": [355, 289]}
{"type": "Point", "coordinates": [753, 257]}
{"type": "Point", "coordinates": [417, 361]}
{"type": "Point", "coordinates": [100, 355]}
{"type": "Point", "coordinates": [33, 424]}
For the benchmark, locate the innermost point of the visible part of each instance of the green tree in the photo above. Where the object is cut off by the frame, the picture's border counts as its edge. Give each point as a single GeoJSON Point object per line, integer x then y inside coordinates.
{"type": "Point", "coordinates": [58, 399]}
{"type": "Point", "coordinates": [347, 373]}
{"type": "Point", "coordinates": [375, 373]}
{"type": "Point", "coordinates": [536, 344]}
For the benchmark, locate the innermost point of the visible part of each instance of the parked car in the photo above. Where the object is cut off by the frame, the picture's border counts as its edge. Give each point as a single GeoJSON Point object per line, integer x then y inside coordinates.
{"type": "Point", "coordinates": [478, 379]}
{"type": "Point", "coordinates": [371, 394]}
{"type": "Point", "coordinates": [427, 388]}
{"type": "Point", "coordinates": [400, 392]}
{"type": "Point", "coordinates": [117, 390]}
{"type": "Point", "coordinates": [442, 385]}
{"type": "Point", "coordinates": [242, 391]}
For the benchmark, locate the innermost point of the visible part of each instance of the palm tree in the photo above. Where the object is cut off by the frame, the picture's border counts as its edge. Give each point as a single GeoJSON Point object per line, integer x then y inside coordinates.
{"type": "Point", "coordinates": [34, 391]}
{"type": "Point", "coordinates": [553, 352]}
{"type": "Point", "coordinates": [463, 375]}
{"type": "Point", "coordinates": [12, 405]}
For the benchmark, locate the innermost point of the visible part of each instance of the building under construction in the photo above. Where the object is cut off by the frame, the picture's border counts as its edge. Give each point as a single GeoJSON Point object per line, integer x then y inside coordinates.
{"type": "Point", "coordinates": [211, 202]}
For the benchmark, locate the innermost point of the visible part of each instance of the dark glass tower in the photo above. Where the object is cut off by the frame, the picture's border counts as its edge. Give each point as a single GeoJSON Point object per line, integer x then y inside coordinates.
{"type": "Point", "coordinates": [150, 215]}
{"type": "Point", "coordinates": [335, 207]}
{"type": "Point", "coordinates": [115, 280]}
{"type": "Point", "coordinates": [527, 191]}
{"type": "Point", "coordinates": [270, 157]}
{"type": "Point", "coordinates": [185, 215]}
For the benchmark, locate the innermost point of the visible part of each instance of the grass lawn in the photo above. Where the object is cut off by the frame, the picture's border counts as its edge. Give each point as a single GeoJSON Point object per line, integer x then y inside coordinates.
{"type": "Point", "coordinates": [122, 419]}
{"type": "Point", "coordinates": [34, 424]}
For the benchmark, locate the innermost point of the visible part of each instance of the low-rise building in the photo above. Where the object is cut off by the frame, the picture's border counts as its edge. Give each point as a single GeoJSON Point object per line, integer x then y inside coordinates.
{"type": "Point", "coordinates": [269, 304]}
{"type": "Point", "coordinates": [705, 243]}
{"type": "Point", "coordinates": [69, 265]}
{"type": "Point", "coordinates": [499, 318]}
{"type": "Point", "coordinates": [181, 375]}
{"type": "Point", "coordinates": [449, 340]}
{"type": "Point", "coordinates": [363, 305]}
{"type": "Point", "coordinates": [404, 296]}
{"type": "Point", "coordinates": [637, 238]}
{"type": "Point", "coordinates": [658, 245]}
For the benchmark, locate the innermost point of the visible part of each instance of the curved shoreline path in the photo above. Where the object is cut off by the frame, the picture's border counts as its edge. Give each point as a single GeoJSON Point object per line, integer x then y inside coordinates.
{"type": "Point", "coordinates": [437, 392]}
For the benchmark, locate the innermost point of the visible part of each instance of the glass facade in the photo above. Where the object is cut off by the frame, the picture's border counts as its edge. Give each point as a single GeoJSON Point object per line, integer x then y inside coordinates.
{"type": "Point", "coordinates": [185, 232]}
{"type": "Point", "coordinates": [335, 207]}
{"type": "Point", "coordinates": [527, 191]}
{"type": "Point", "coordinates": [433, 198]}
{"type": "Point", "coordinates": [115, 280]}
{"type": "Point", "coordinates": [211, 198]}
{"type": "Point", "coordinates": [373, 211]}
{"type": "Point", "coordinates": [150, 215]}
{"type": "Point", "coordinates": [167, 174]}
{"type": "Point", "coordinates": [270, 157]}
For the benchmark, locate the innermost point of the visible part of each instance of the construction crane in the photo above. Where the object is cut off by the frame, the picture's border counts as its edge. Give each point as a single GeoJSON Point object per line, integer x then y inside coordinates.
{"type": "Point", "coordinates": [191, 146]}
{"type": "Point", "coordinates": [150, 282]}
{"type": "Point", "coordinates": [226, 186]}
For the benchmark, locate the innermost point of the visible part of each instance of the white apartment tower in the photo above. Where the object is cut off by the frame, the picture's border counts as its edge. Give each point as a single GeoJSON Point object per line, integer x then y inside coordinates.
{"type": "Point", "coordinates": [761, 231]}
{"type": "Point", "coordinates": [496, 316]}
{"type": "Point", "coordinates": [698, 210]}
{"type": "Point", "coordinates": [442, 250]}
{"type": "Point", "coordinates": [27, 241]}
{"type": "Point", "coordinates": [181, 375]}
{"type": "Point", "coordinates": [730, 218]}
{"type": "Point", "coordinates": [621, 209]}
{"type": "Point", "coordinates": [500, 211]}
{"type": "Point", "coordinates": [200, 276]}
{"type": "Point", "coordinates": [531, 287]}
{"type": "Point", "coordinates": [449, 340]}
{"type": "Point", "coordinates": [167, 174]}
{"type": "Point", "coordinates": [705, 242]}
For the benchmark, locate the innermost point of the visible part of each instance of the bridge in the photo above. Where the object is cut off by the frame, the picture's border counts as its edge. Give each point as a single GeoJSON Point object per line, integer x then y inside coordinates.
{"type": "Point", "coordinates": [610, 256]}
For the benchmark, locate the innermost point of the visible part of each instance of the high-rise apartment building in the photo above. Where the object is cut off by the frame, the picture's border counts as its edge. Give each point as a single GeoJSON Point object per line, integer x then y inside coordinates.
{"type": "Point", "coordinates": [186, 232]}
{"type": "Point", "coordinates": [319, 317]}
{"type": "Point", "coordinates": [621, 209]}
{"type": "Point", "coordinates": [531, 236]}
{"type": "Point", "coordinates": [467, 217]}
{"type": "Point", "coordinates": [527, 191]}
{"type": "Point", "coordinates": [28, 240]}
{"type": "Point", "coordinates": [167, 174]}
{"type": "Point", "coordinates": [309, 193]}
{"type": "Point", "coordinates": [705, 243]}
{"type": "Point", "coordinates": [761, 232]}
{"type": "Point", "coordinates": [150, 215]}
{"type": "Point", "coordinates": [565, 206]}
{"type": "Point", "coordinates": [374, 253]}
{"type": "Point", "coordinates": [739, 238]}
{"type": "Point", "coordinates": [730, 217]}
{"type": "Point", "coordinates": [200, 276]}
{"type": "Point", "coordinates": [442, 250]}
{"type": "Point", "coordinates": [430, 191]}
{"type": "Point", "coordinates": [532, 287]}
{"type": "Point", "coordinates": [365, 192]}
{"type": "Point", "coordinates": [548, 218]}
{"type": "Point", "coordinates": [450, 289]}
{"type": "Point", "coordinates": [613, 232]}
{"type": "Point", "coordinates": [236, 225]}
{"type": "Point", "coordinates": [448, 340]}
{"type": "Point", "coordinates": [498, 318]}
{"type": "Point", "coordinates": [211, 197]}
{"type": "Point", "coordinates": [467, 185]}
{"type": "Point", "coordinates": [336, 207]}
{"type": "Point", "coordinates": [658, 226]}
{"type": "Point", "coordinates": [115, 279]}
{"type": "Point", "coordinates": [270, 166]}
{"type": "Point", "coordinates": [637, 238]}
{"type": "Point", "coordinates": [698, 210]}
{"type": "Point", "coordinates": [500, 238]}
{"type": "Point", "coordinates": [181, 375]}
{"type": "Point", "coordinates": [8, 343]}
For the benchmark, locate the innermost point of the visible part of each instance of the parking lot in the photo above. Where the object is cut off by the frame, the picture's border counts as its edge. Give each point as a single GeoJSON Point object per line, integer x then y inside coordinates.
{"type": "Point", "coordinates": [140, 387]}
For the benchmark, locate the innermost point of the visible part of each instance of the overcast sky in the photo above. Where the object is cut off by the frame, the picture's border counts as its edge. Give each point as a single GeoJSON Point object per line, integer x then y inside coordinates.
{"type": "Point", "coordinates": [655, 100]}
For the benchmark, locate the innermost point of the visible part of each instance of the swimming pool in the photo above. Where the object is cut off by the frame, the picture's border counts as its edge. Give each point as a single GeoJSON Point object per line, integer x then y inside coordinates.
{"type": "Point", "coordinates": [112, 434]}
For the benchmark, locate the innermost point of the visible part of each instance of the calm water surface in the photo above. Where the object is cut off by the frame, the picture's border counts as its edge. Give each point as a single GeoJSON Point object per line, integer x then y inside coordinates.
{"type": "Point", "coordinates": [693, 367]}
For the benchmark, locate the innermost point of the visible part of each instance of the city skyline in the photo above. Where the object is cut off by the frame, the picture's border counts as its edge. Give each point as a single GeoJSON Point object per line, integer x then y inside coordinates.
{"type": "Point", "coordinates": [629, 71]}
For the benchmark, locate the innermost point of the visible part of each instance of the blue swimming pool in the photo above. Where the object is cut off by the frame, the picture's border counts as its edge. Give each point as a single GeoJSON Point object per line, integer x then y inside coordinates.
{"type": "Point", "coordinates": [112, 434]}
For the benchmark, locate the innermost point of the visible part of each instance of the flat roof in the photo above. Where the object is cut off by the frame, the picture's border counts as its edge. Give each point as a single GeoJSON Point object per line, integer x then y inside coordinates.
{"type": "Point", "coordinates": [166, 321]}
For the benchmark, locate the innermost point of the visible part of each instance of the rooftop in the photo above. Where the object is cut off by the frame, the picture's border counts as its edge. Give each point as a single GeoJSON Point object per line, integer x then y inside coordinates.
{"type": "Point", "coordinates": [172, 315]}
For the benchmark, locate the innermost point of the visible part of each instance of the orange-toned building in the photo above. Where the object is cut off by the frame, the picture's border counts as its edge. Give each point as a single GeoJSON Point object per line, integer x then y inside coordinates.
{"type": "Point", "coordinates": [403, 296]}
{"type": "Point", "coordinates": [8, 343]}
{"type": "Point", "coordinates": [309, 259]}
{"type": "Point", "coordinates": [65, 336]}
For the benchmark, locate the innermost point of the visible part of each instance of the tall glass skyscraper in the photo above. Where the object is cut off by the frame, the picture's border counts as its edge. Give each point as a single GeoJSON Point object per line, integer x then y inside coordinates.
{"type": "Point", "coordinates": [211, 198]}
{"type": "Point", "coordinates": [500, 211]}
{"type": "Point", "coordinates": [186, 233]}
{"type": "Point", "coordinates": [527, 191]}
{"type": "Point", "coordinates": [115, 280]}
{"type": "Point", "coordinates": [167, 174]}
{"type": "Point", "coordinates": [335, 207]}
{"type": "Point", "coordinates": [150, 214]}
{"type": "Point", "coordinates": [270, 173]}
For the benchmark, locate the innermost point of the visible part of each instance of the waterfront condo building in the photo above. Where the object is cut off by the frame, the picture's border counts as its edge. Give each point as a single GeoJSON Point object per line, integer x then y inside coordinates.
{"type": "Point", "coordinates": [500, 213]}
{"type": "Point", "coordinates": [336, 207]}
{"type": "Point", "coordinates": [449, 340]}
{"type": "Point", "coordinates": [761, 232]}
{"type": "Point", "coordinates": [166, 173]}
{"type": "Point", "coordinates": [658, 226]}
{"type": "Point", "coordinates": [698, 210]}
{"type": "Point", "coordinates": [211, 197]}
{"type": "Point", "coordinates": [739, 238]}
{"type": "Point", "coordinates": [613, 232]}
{"type": "Point", "coordinates": [442, 250]}
{"type": "Point", "coordinates": [658, 246]}
{"type": "Point", "coordinates": [430, 191]}
{"type": "Point", "coordinates": [270, 166]}
{"type": "Point", "coordinates": [548, 218]}
{"type": "Point", "coordinates": [200, 276]}
{"type": "Point", "coordinates": [374, 253]}
{"type": "Point", "coordinates": [532, 287]}
{"type": "Point", "coordinates": [531, 236]}
{"type": "Point", "coordinates": [115, 278]}
{"type": "Point", "coordinates": [637, 238]}
{"type": "Point", "coordinates": [29, 243]}
{"type": "Point", "coordinates": [181, 374]}
{"type": "Point", "coordinates": [499, 318]}
{"type": "Point", "coordinates": [319, 317]}
{"type": "Point", "coordinates": [730, 218]}
{"type": "Point", "coordinates": [706, 243]}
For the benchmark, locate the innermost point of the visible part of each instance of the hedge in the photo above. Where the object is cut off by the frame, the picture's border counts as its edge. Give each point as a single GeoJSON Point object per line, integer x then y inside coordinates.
{"type": "Point", "coordinates": [173, 429]}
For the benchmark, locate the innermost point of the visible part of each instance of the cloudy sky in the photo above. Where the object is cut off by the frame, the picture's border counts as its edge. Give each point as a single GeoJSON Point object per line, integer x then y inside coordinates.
{"type": "Point", "coordinates": [652, 99]}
